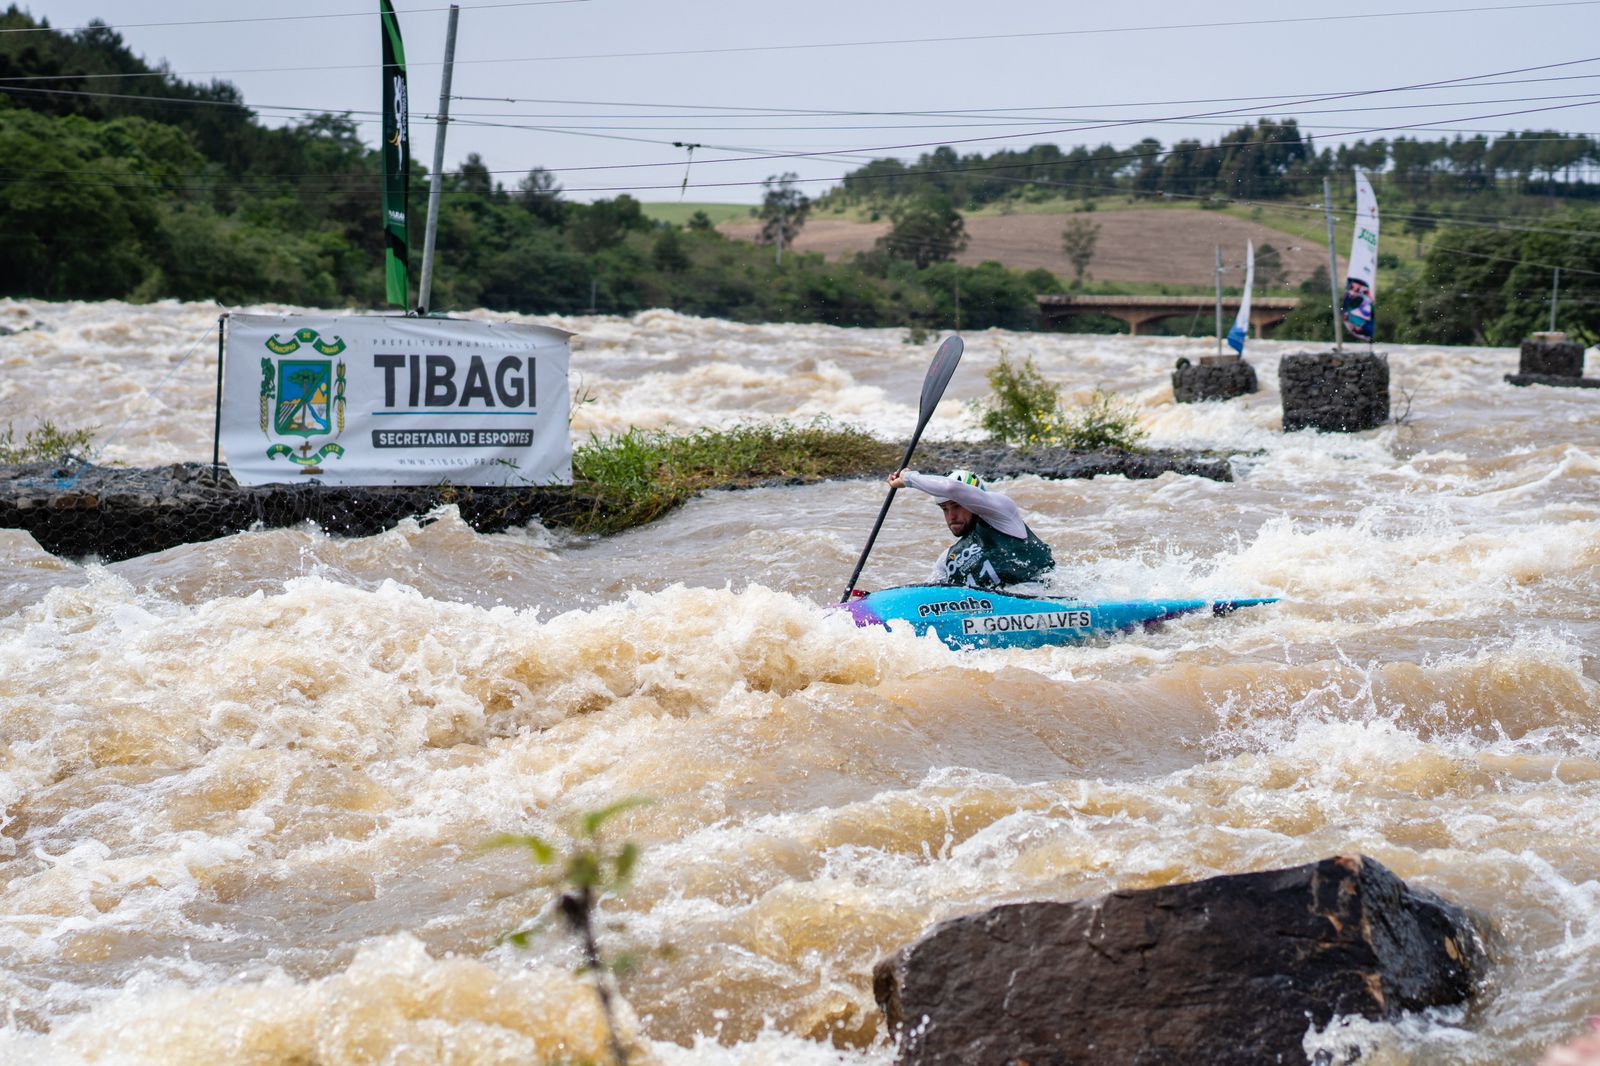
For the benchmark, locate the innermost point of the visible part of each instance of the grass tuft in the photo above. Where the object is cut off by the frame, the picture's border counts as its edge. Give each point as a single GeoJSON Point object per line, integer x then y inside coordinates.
{"type": "Point", "coordinates": [637, 476]}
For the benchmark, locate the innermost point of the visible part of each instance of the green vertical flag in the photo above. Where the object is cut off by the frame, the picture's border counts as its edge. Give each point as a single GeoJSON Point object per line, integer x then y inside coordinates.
{"type": "Point", "coordinates": [396, 161]}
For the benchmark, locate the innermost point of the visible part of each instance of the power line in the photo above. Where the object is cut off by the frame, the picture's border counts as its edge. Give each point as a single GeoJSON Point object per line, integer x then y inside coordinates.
{"type": "Point", "coordinates": [280, 18]}
{"type": "Point", "coordinates": [463, 116]}
{"type": "Point", "coordinates": [278, 181]}
{"type": "Point", "coordinates": [1509, 259]}
{"type": "Point", "coordinates": [1284, 105]}
{"type": "Point", "coordinates": [817, 112]}
{"type": "Point", "coordinates": [962, 39]}
{"type": "Point", "coordinates": [1025, 121]}
{"type": "Point", "coordinates": [1078, 129]}
{"type": "Point", "coordinates": [834, 154]}
{"type": "Point", "coordinates": [761, 156]}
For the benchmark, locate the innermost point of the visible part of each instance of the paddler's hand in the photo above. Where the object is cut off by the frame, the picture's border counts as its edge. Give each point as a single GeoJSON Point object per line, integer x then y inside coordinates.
{"type": "Point", "coordinates": [897, 480]}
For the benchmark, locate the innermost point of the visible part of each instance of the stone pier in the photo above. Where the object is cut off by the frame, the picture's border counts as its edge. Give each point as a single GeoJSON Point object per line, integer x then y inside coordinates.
{"type": "Point", "coordinates": [1551, 359]}
{"type": "Point", "coordinates": [1217, 377]}
{"type": "Point", "coordinates": [1336, 392]}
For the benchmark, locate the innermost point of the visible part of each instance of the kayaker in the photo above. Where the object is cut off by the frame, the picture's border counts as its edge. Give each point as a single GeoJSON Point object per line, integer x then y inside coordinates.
{"type": "Point", "coordinates": [996, 548]}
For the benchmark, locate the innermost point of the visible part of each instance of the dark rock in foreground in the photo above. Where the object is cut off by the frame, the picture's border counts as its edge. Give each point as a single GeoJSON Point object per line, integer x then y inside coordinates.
{"type": "Point", "coordinates": [1230, 970]}
{"type": "Point", "coordinates": [116, 513]}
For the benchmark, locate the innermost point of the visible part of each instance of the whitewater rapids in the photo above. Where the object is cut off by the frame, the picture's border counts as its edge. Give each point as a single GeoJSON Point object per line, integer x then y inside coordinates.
{"type": "Point", "coordinates": [244, 784]}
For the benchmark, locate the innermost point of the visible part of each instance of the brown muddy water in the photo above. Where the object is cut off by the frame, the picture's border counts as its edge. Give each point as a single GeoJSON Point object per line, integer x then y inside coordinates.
{"type": "Point", "coordinates": [243, 784]}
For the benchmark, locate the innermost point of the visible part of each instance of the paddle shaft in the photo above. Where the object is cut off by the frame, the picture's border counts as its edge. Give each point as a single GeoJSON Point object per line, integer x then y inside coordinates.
{"type": "Point", "coordinates": [883, 512]}
{"type": "Point", "coordinates": [939, 371]}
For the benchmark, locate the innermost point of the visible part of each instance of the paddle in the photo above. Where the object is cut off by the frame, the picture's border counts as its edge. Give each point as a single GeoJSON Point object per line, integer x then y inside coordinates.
{"type": "Point", "coordinates": [939, 371]}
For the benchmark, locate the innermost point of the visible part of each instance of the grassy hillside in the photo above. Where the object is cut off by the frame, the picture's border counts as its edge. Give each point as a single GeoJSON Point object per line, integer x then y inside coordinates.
{"type": "Point", "coordinates": [676, 213]}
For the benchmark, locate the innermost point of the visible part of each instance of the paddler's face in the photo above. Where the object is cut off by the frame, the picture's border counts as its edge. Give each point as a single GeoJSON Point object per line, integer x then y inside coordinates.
{"type": "Point", "coordinates": [958, 518]}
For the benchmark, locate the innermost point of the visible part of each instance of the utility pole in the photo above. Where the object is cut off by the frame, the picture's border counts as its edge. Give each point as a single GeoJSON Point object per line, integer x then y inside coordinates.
{"type": "Point", "coordinates": [1219, 299]}
{"type": "Point", "coordinates": [594, 288]}
{"type": "Point", "coordinates": [1555, 292]}
{"type": "Point", "coordinates": [1333, 270]}
{"type": "Point", "coordinates": [783, 220]}
{"type": "Point", "coordinates": [426, 284]}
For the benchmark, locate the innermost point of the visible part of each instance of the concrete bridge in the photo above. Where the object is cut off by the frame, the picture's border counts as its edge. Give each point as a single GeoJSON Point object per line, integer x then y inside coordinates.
{"type": "Point", "coordinates": [1265, 311]}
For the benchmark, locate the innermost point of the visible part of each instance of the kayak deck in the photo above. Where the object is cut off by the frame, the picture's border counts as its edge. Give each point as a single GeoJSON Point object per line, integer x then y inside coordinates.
{"type": "Point", "coordinates": [974, 618]}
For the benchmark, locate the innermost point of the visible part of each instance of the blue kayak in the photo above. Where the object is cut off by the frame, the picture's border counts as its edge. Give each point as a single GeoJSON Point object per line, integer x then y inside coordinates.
{"type": "Point", "coordinates": [973, 618]}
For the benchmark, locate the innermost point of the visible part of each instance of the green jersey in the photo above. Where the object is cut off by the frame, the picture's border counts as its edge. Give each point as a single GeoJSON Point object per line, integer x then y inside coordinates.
{"type": "Point", "coordinates": [989, 559]}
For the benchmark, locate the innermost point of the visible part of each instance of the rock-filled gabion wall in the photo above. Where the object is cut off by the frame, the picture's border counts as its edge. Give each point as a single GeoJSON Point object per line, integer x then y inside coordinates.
{"type": "Point", "coordinates": [1552, 362]}
{"type": "Point", "coordinates": [112, 513]}
{"type": "Point", "coordinates": [1222, 381]}
{"type": "Point", "coordinates": [1337, 392]}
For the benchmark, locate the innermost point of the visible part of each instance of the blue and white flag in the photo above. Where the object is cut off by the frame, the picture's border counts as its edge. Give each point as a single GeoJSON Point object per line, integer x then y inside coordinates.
{"type": "Point", "coordinates": [1241, 324]}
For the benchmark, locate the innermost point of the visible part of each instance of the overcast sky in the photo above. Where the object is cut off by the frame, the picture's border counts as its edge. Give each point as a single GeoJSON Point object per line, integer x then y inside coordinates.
{"type": "Point", "coordinates": [729, 76]}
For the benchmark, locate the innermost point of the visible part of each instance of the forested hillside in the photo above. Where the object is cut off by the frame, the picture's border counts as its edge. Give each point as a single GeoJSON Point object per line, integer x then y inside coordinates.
{"type": "Point", "coordinates": [163, 188]}
{"type": "Point", "coordinates": [157, 187]}
{"type": "Point", "coordinates": [1266, 160]}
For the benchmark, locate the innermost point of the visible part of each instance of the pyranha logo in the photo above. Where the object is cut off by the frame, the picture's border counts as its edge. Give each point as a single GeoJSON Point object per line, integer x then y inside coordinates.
{"type": "Point", "coordinates": [966, 606]}
{"type": "Point", "coordinates": [303, 397]}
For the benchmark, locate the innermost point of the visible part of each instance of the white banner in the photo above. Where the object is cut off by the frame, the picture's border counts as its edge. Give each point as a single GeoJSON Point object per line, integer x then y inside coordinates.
{"type": "Point", "coordinates": [374, 400]}
{"type": "Point", "coordinates": [1361, 288]}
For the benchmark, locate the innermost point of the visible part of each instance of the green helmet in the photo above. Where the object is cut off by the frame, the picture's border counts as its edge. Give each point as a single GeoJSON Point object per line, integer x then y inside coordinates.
{"type": "Point", "coordinates": [966, 477]}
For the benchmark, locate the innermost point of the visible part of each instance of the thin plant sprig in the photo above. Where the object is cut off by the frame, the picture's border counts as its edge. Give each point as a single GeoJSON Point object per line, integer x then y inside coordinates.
{"type": "Point", "coordinates": [590, 870]}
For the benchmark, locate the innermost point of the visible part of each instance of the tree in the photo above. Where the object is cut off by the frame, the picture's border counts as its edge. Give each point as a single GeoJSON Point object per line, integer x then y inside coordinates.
{"type": "Point", "coordinates": [1462, 288]}
{"type": "Point", "coordinates": [1078, 241]}
{"type": "Point", "coordinates": [1312, 316]}
{"type": "Point", "coordinates": [604, 223]}
{"type": "Point", "coordinates": [992, 297]}
{"type": "Point", "coordinates": [1525, 293]}
{"type": "Point", "coordinates": [668, 254]}
{"type": "Point", "coordinates": [925, 231]}
{"type": "Point", "coordinates": [783, 211]}
{"type": "Point", "coordinates": [1420, 222]}
{"type": "Point", "coordinates": [700, 222]}
{"type": "Point", "coordinates": [1270, 271]}
{"type": "Point", "coordinates": [475, 178]}
{"type": "Point", "coordinates": [540, 195]}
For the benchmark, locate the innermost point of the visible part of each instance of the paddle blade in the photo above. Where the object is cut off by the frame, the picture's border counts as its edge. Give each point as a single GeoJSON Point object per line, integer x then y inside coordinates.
{"type": "Point", "coordinates": [939, 371]}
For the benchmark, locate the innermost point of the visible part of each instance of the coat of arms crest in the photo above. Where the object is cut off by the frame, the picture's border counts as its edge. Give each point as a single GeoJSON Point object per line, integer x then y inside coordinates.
{"type": "Point", "coordinates": [303, 397]}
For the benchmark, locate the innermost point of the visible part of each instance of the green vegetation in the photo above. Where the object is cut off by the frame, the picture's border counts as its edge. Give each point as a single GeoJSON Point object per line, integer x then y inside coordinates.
{"type": "Point", "coordinates": [128, 197]}
{"type": "Point", "coordinates": [783, 210]}
{"type": "Point", "coordinates": [1268, 160]}
{"type": "Point", "coordinates": [677, 213]}
{"type": "Point", "coordinates": [589, 871]}
{"type": "Point", "coordinates": [637, 476]}
{"type": "Point", "coordinates": [1024, 408]}
{"type": "Point", "coordinates": [1077, 241]}
{"type": "Point", "coordinates": [46, 443]}
{"type": "Point", "coordinates": [1478, 285]}
{"type": "Point", "coordinates": [133, 196]}
{"type": "Point", "coordinates": [1104, 422]}
{"type": "Point", "coordinates": [1022, 405]}
{"type": "Point", "coordinates": [924, 231]}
